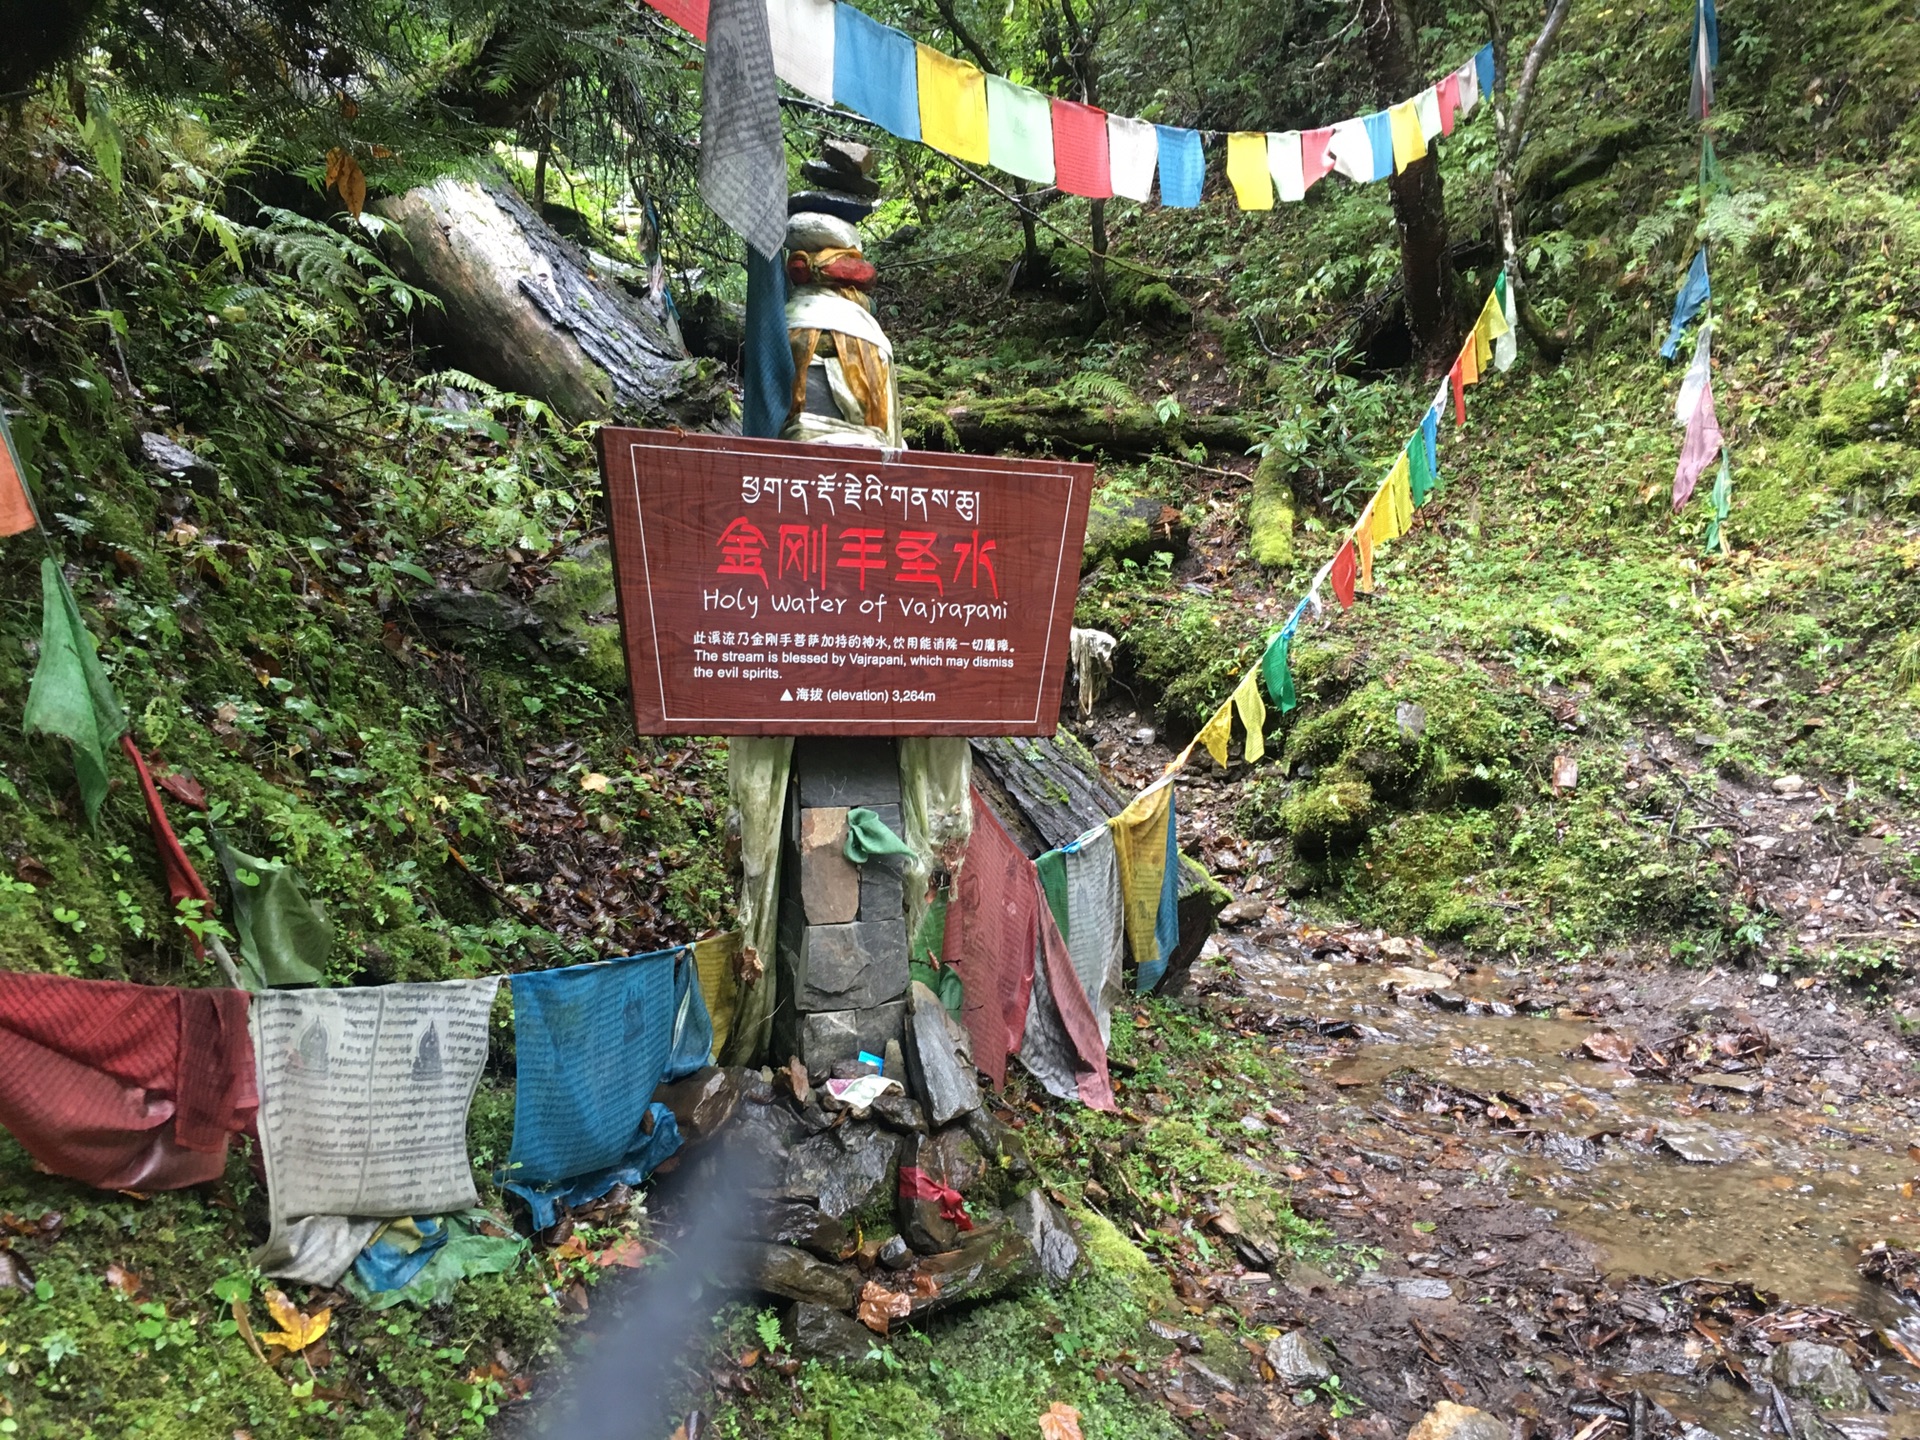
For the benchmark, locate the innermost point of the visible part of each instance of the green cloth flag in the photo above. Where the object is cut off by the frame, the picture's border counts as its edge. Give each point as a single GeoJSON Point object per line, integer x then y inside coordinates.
{"type": "Point", "coordinates": [868, 835]}
{"type": "Point", "coordinates": [930, 940]}
{"type": "Point", "coordinates": [1278, 674]}
{"type": "Point", "coordinates": [284, 935]}
{"type": "Point", "coordinates": [1053, 883]}
{"type": "Point", "coordinates": [1019, 131]}
{"type": "Point", "coordinates": [1722, 502]}
{"type": "Point", "coordinates": [71, 696]}
{"type": "Point", "coordinates": [1419, 473]}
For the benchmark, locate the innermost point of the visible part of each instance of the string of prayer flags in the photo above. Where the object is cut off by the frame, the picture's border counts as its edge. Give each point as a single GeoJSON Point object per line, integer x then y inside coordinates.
{"type": "Point", "coordinates": [1447, 101]}
{"type": "Point", "coordinates": [1506, 340]}
{"type": "Point", "coordinates": [802, 32]}
{"type": "Point", "coordinates": [876, 72]}
{"type": "Point", "coordinates": [1695, 291]}
{"type": "Point", "coordinates": [743, 157]}
{"type": "Point", "coordinates": [16, 505]}
{"type": "Point", "coordinates": [1420, 477]}
{"type": "Point", "coordinates": [70, 696]}
{"type": "Point", "coordinates": [1247, 170]}
{"type": "Point", "coordinates": [1020, 131]}
{"type": "Point", "coordinates": [126, 1087]}
{"type": "Point", "coordinates": [1316, 156]}
{"type": "Point", "coordinates": [1408, 140]}
{"type": "Point", "coordinates": [953, 106]}
{"type": "Point", "coordinates": [364, 1094]}
{"type": "Point", "coordinates": [1183, 166]}
{"type": "Point", "coordinates": [1704, 441]}
{"type": "Point", "coordinates": [1705, 58]}
{"type": "Point", "coordinates": [1217, 734]}
{"type": "Point", "coordinates": [1133, 149]}
{"type": "Point", "coordinates": [591, 1044]}
{"type": "Point", "coordinates": [1145, 835]}
{"type": "Point", "coordinates": [1352, 151]}
{"type": "Point", "coordinates": [1081, 165]}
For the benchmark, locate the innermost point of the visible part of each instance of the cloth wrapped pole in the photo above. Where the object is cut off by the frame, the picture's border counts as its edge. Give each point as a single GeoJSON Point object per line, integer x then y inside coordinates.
{"type": "Point", "coordinates": [757, 769]}
{"type": "Point", "coordinates": [127, 1087]}
{"type": "Point", "coordinates": [1695, 290]}
{"type": "Point", "coordinates": [71, 696]}
{"type": "Point", "coordinates": [936, 812]}
{"type": "Point", "coordinates": [1146, 839]}
{"type": "Point", "coordinates": [743, 156]}
{"type": "Point", "coordinates": [1019, 131]}
{"type": "Point", "coordinates": [1183, 166]}
{"type": "Point", "coordinates": [591, 1043]}
{"type": "Point", "coordinates": [364, 1094]}
{"type": "Point", "coordinates": [990, 938]}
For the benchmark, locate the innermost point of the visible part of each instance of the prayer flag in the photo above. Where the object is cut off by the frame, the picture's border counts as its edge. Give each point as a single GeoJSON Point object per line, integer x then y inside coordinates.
{"type": "Point", "coordinates": [1019, 131]}
{"type": "Point", "coordinates": [1277, 673]}
{"type": "Point", "coordinates": [1253, 713]}
{"type": "Point", "coordinates": [1695, 380]}
{"type": "Point", "coordinates": [1247, 170]}
{"type": "Point", "coordinates": [766, 362]}
{"type": "Point", "coordinates": [1469, 78]}
{"type": "Point", "coordinates": [183, 882]}
{"type": "Point", "coordinates": [1091, 915]}
{"type": "Point", "coordinates": [1283, 159]}
{"type": "Point", "coordinates": [16, 506]}
{"type": "Point", "coordinates": [1217, 733]}
{"type": "Point", "coordinates": [1419, 473]}
{"type": "Point", "coordinates": [992, 938]}
{"type": "Point", "coordinates": [1447, 92]}
{"type": "Point", "coordinates": [1343, 574]}
{"type": "Point", "coordinates": [689, 15]}
{"type": "Point", "coordinates": [1470, 358]}
{"type": "Point", "coordinates": [1483, 68]}
{"type": "Point", "coordinates": [1145, 835]}
{"type": "Point", "coordinates": [1362, 536]}
{"type": "Point", "coordinates": [713, 961]}
{"type": "Point", "coordinates": [1456, 377]}
{"type": "Point", "coordinates": [876, 72]}
{"type": "Point", "coordinates": [1427, 105]}
{"type": "Point", "coordinates": [1705, 57]}
{"type": "Point", "coordinates": [1061, 1043]}
{"type": "Point", "coordinates": [953, 105]}
{"type": "Point", "coordinates": [1697, 451]}
{"type": "Point", "coordinates": [1351, 150]}
{"type": "Point", "coordinates": [1695, 291]}
{"type": "Point", "coordinates": [364, 1094]}
{"type": "Point", "coordinates": [1430, 437]}
{"type": "Point", "coordinates": [1722, 500]}
{"type": "Point", "coordinates": [284, 936]}
{"type": "Point", "coordinates": [591, 1043]}
{"type": "Point", "coordinates": [1183, 166]}
{"type": "Point", "coordinates": [1080, 161]}
{"type": "Point", "coordinates": [70, 695]}
{"type": "Point", "coordinates": [743, 156]}
{"type": "Point", "coordinates": [802, 32]}
{"type": "Point", "coordinates": [1409, 144]}
{"type": "Point", "coordinates": [1380, 142]}
{"type": "Point", "coordinates": [126, 1087]}
{"type": "Point", "coordinates": [1400, 492]}
{"type": "Point", "coordinates": [1133, 146]}
{"type": "Point", "coordinates": [1506, 348]}
{"type": "Point", "coordinates": [1316, 159]}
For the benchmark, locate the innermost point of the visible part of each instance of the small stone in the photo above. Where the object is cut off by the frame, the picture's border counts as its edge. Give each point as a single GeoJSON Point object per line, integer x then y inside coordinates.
{"type": "Point", "coordinates": [816, 1332]}
{"type": "Point", "coordinates": [703, 1102]}
{"type": "Point", "coordinates": [1144, 735]}
{"type": "Point", "coordinates": [1243, 912]}
{"type": "Point", "coordinates": [895, 1253]}
{"type": "Point", "coordinates": [170, 457]}
{"type": "Point", "coordinates": [828, 176]}
{"type": "Point", "coordinates": [900, 1112]}
{"type": "Point", "coordinates": [848, 156]}
{"type": "Point", "coordinates": [1411, 719]}
{"type": "Point", "coordinates": [1298, 1359]}
{"type": "Point", "coordinates": [1045, 1228]}
{"type": "Point", "coordinates": [895, 1066]}
{"type": "Point", "coordinates": [1789, 785]}
{"type": "Point", "coordinates": [1698, 1144]}
{"type": "Point", "coordinates": [783, 1270]}
{"type": "Point", "coordinates": [1448, 1421]}
{"type": "Point", "coordinates": [793, 1222]}
{"type": "Point", "coordinates": [1405, 981]}
{"type": "Point", "coordinates": [1820, 1373]}
{"type": "Point", "coordinates": [947, 1087]}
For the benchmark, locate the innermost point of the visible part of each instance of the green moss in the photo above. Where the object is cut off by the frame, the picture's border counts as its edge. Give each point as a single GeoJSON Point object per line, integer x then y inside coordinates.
{"type": "Point", "coordinates": [1852, 411]}
{"type": "Point", "coordinates": [1333, 812]}
{"type": "Point", "coordinates": [1271, 512]}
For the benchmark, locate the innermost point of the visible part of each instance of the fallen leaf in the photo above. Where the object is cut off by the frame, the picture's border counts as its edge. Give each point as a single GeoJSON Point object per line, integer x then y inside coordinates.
{"type": "Point", "coordinates": [1061, 1422]}
{"type": "Point", "coordinates": [184, 788]}
{"type": "Point", "coordinates": [297, 1331]}
{"type": "Point", "coordinates": [750, 1359]}
{"type": "Point", "coordinates": [880, 1306]}
{"type": "Point", "coordinates": [125, 1281]}
{"type": "Point", "coordinates": [1606, 1045]}
{"type": "Point", "coordinates": [29, 869]}
{"type": "Point", "coordinates": [925, 1287]}
{"type": "Point", "coordinates": [628, 1254]}
{"type": "Point", "coordinates": [593, 780]}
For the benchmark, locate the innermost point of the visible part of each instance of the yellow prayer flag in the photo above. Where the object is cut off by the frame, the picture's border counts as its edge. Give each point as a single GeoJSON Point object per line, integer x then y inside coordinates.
{"type": "Point", "coordinates": [953, 106]}
{"type": "Point", "coordinates": [1386, 514]}
{"type": "Point", "coordinates": [1217, 732]}
{"type": "Point", "coordinates": [1493, 318]}
{"type": "Point", "coordinates": [1247, 169]}
{"type": "Point", "coordinates": [1409, 140]}
{"type": "Point", "coordinates": [1253, 716]}
{"type": "Point", "coordinates": [1140, 842]}
{"type": "Point", "coordinates": [1399, 489]}
{"type": "Point", "coordinates": [713, 962]}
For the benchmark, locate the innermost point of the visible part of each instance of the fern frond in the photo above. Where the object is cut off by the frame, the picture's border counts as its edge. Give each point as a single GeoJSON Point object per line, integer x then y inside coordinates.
{"type": "Point", "coordinates": [1095, 387]}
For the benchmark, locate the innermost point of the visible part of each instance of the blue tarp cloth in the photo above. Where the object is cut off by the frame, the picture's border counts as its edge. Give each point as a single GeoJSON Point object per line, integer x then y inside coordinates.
{"type": "Point", "coordinates": [593, 1042]}
{"type": "Point", "coordinates": [1183, 166]}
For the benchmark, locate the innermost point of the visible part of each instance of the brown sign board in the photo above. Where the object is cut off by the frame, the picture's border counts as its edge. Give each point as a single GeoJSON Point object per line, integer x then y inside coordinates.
{"type": "Point", "coordinates": [768, 587]}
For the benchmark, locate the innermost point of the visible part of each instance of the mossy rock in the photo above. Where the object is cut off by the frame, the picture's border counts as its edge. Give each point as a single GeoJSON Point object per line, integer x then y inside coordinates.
{"type": "Point", "coordinates": [1850, 412]}
{"type": "Point", "coordinates": [1271, 513]}
{"type": "Point", "coordinates": [581, 614]}
{"type": "Point", "coordinates": [1122, 525]}
{"type": "Point", "coordinates": [1332, 814]}
{"type": "Point", "coordinates": [1117, 1260]}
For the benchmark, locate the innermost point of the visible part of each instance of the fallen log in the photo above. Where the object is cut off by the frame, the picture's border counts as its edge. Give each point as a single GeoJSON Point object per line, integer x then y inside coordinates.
{"type": "Point", "coordinates": [1041, 421]}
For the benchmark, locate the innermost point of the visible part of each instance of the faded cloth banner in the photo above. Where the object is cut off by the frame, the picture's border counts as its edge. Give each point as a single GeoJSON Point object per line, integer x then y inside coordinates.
{"type": "Point", "coordinates": [990, 938]}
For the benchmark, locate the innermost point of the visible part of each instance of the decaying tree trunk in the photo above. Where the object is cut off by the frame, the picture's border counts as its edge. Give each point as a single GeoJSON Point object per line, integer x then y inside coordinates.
{"type": "Point", "coordinates": [1039, 421]}
{"type": "Point", "coordinates": [1510, 106]}
{"type": "Point", "coordinates": [525, 310]}
{"type": "Point", "coordinates": [1419, 202]}
{"type": "Point", "coordinates": [1051, 791]}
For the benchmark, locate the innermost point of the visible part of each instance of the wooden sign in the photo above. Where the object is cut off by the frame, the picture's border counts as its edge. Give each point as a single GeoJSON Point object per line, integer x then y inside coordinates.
{"type": "Point", "coordinates": [773, 588]}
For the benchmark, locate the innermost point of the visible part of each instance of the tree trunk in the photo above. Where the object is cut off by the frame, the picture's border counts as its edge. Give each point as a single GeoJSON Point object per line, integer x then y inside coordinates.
{"type": "Point", "coordinates": [1419, 201]}
{"type": "Point", "coordinates": [1510, 106]}
{"type": "Point", "coordinates": [1097, 260]}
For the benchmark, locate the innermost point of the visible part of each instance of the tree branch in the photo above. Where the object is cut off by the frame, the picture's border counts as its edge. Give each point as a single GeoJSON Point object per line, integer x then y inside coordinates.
{"type": "Point", "coordinates": [950, 16]}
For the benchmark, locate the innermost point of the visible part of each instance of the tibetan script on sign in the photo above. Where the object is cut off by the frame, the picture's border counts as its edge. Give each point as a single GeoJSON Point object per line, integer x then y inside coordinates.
{"type": "Point", "coordinates": [774, 588]}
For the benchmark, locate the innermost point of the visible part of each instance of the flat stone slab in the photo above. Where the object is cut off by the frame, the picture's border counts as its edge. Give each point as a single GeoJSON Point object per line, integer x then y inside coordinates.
{"type": "Point", "coordinates": [831, 1035]}
{"type": "Point", "coordinates": [843, 772]}
{"type": "Point", "coordinates": [829, 882]}
{"type": "Point", "coordinates": [855, 966]}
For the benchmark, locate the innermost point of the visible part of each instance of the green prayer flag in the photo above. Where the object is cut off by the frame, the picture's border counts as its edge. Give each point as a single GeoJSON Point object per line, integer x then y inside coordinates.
{"type": "Point", "coordinates": [1053, 883]}
{"type": "Point", "coordinates": [1722, 502]}
{"type": "Point", "coordinates": [284, 935]}
{"type": "Point", "coordinates": [71, 696]}
{"type": "Point", "coordinates": [868, 835]}
{"type": "Point", "coordinates": [1278, 674]}
{"type": "Point", "coordinates": [1712, 177]}
{"type": "Point", "coordinates": [930, 940]}
{"type": "Point", "coordinates": [1419, 475]}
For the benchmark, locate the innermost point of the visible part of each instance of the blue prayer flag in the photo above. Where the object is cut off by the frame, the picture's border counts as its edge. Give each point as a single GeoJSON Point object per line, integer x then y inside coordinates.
{"type": "Point", "coordinates": [1380, 137]}
{"type": "Point", "coordinates": [766, 370]}
{"type": "Point", "coordinates": [876, 72]}
{"type": "Point", "coordinates": [1695, 291]}
{"type": "Point", "coordinates": [1430, 433]}
{"type": "Point", "coordinates": [1483, 67]}
{"type": "Point", "coordinates": [591, 1043]}
{"type": "Point", "coordinates": [1166, 919]}
{"type": "Point", "coordinates": [1183, 166]}
{"type": "Point", "coordinates": [1705, 17]}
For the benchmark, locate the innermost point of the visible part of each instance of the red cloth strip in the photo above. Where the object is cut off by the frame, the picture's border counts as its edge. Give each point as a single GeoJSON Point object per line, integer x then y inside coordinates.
{"type": "Point", "coordinates": [183, 881]}
{"type": "Point", "coordinates": [990, 940]}
{"type": "Point", "coordinates": [916, 1184]}
{"type": "Point", "coordinates": [1080, 162]}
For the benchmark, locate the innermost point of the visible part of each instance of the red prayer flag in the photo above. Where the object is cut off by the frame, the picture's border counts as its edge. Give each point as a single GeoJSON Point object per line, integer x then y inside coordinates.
{"type": "Point", "coordinates": [1458, 379]}
{"type": "Point", "coordinates": [1080, 164]}
{"type": "Point", "coordinates": [689, 15]}
{"type": "Point", "coordinates": [1315, 161]}
{"type": "Point", "coordinates": [1449, 92]}
{"type": "Point", "coordinates": [127, 1087]}
{"type": "Point", "coordinates": [1345, 569]}
{"type": "Point", "coordinates": [183, 881]}
{"type": "Point", "coordinates": [916, 1184]}
{"type": "Point", "coordinates": [990, 939]}
{"type": "Point", "coordinates": [1075, 1010]}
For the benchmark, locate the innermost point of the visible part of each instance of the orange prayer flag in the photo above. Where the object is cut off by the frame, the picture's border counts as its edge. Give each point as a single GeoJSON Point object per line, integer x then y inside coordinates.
{"type": "Point", "coordinates": [1363, 543]}
{"type": "Point", "coordinates": [16, 510]}
{"type": "Point", "coordinates": [1469, 363]}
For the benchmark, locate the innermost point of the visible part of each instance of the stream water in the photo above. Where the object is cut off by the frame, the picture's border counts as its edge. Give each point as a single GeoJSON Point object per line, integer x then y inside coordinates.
{"type": "Point", "coordinates": [1711, 1178]}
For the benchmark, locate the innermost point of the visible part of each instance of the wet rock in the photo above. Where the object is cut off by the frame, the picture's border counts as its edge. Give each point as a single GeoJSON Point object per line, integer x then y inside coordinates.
{"type": "Point", "coordinates": [856, 966]}
{"type": "Point", "coordinates": [842, 1034]}
{"type": "Point", "coordinates": [1044, 1227]}
{"type": "Point", "coordinates": [900, 1112]}
{"type": "Point", "coordinates": [843, 1169]}
{"type": "Point", "coordinates": [1820, 1373]}
{"type": "Point", "coordinates": [466, 619]}
{"type": "Point", "coordinates": [923, 1222]}
{"type": "Point", "coordinates": [933, 1061]}
{"type": "Point", "coordinates": [1448, 1421]}
{"type": "Point", "coordinates": [1243, 912]}
{"type": "Point", "coordinates": [793, 1222]}
{"type": "Point", "coordinates": [783, 1270]}
{"type": "Point", "coordinates": [895, 1253]}
{"type": "Point", "coordinates": [993, 1260]}
{"type": "Point", "coordinates": [959, 1158]}
{"type": "Point", "coordinates": [816, 1332]}
{"type": "Point", "coordinates": [1789, 785]}
{"type": "Point", "coordinates": [170, 457]}
{"type": "Point", "coordinates": [1699, 1145]}
{"type": "Point", "coordinates": [1410, 984]}
{"type": "Point", "coordinates": [703, 1102]}
{"type": "Point", "coordinates": [1298, 1359]}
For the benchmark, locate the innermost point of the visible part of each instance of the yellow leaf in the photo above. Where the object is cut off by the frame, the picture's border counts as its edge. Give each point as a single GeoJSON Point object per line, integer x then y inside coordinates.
{"type": "Point", "coordinates": [595, 781]}
{"type": "Point", "coordinates": [345, 175]}
{"type": "Point", "coordinates": [1061, 1422]}
{"type": "Point", "coordinates": [297, 1331]}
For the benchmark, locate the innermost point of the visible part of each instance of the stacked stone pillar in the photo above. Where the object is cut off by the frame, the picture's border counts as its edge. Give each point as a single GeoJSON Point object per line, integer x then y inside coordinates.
{"type": "Point", "coordinates": [843, 928]}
